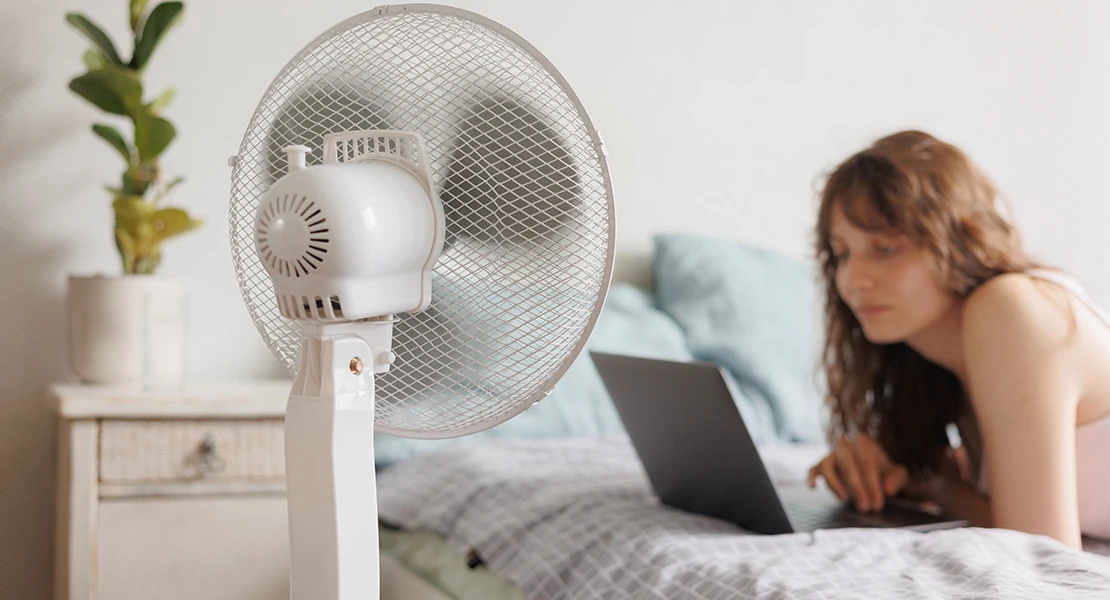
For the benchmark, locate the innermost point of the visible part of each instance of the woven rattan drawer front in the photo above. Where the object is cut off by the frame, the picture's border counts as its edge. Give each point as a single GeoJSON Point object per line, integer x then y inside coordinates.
{"type": "Point", "coordinates": [188, 450]}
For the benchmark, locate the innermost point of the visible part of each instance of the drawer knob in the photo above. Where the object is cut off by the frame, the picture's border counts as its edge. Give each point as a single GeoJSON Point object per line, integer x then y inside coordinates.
{"type": "Point", "coordinates": [210, 460]}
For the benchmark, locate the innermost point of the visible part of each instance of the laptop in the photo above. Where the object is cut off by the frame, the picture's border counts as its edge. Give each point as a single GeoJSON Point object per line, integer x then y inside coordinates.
{"type": "Point", "coordinates": [699, 457]}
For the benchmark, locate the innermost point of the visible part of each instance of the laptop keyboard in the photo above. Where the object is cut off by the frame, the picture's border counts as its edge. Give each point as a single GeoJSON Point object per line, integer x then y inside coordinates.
{"type": "Point", "coordinates": [808, 516]}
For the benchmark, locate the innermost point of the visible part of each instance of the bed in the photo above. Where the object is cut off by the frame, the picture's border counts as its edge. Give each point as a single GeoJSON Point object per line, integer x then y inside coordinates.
{"type": "Point", "coordinates": [575, 518]}
{"type": "Point", "coordinates": [554, 504]}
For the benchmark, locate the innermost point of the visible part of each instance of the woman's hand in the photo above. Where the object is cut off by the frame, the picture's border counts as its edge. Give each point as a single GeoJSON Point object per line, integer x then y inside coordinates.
{"type": "Point", "coordinates": [860, 469]}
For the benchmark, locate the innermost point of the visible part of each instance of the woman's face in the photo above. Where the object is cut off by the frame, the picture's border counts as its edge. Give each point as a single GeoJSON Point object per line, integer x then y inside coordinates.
{"type": "Point", "coordinates": [883, 277]}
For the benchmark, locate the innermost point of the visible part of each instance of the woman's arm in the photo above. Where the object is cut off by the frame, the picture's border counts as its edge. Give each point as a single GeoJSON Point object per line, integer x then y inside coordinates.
{"type": "Point", "coordinates": [1024, 389]}
{"type": "Point", "coordinates": [956, 498]}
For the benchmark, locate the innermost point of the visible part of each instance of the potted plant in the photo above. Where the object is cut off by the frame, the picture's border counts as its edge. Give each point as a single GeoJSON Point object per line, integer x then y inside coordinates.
{"type": "Point", "coordinates": [124, 327]}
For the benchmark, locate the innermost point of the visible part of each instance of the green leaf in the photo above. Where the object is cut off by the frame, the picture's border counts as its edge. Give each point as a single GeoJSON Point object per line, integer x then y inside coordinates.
{"type": "Point", "coordinates": [152, 135]}
{"type": "Point", "coordinates": [146, 265]}
{"type": "Point", "coordinates": [113, 137]}
{"type": "Point", "coordinates": [113, 90]}
{"type": "Point", "coordinates": [160, 102]}
{"type": "Point", "coordinates": [141, 228]}
{"type": "Point", "coordinates": [126, 247]}
{"type": "Point", "coordinates": [160, 20]}
{"type": "Point", "coordinates": [137, 9]}
{"type": "Point", "coordinates": [96, 35]}
{"type": "Point", "coordinates": [162, 193]}
{"type": "Point", "coordinates": [169, 222]}
{"type": "Point", "coordinates": [94, 59]}
{"type": "Point", "coordinates": [134, 214]}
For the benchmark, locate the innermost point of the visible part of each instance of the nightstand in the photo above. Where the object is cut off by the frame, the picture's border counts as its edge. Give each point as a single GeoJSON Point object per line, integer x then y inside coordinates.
{"type": "Point", "coordinates": [171, 495]}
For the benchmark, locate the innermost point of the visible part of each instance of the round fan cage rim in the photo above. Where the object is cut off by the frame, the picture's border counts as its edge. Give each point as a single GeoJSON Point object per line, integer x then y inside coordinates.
{"type": "Point", "coordinates": [385, 11]}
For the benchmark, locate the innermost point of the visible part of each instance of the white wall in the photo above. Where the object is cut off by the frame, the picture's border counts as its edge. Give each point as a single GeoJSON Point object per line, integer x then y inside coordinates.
{"type": "Point", "coordinates": [719, 116]}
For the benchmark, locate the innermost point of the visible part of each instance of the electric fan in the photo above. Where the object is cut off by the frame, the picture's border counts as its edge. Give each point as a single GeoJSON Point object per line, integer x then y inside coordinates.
{"type": "Point", "coordinates": [422, 228]}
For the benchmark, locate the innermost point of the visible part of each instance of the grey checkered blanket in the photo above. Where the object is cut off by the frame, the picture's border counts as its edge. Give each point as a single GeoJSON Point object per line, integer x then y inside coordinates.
{"type": "Point", "coordinates": [576, 519]}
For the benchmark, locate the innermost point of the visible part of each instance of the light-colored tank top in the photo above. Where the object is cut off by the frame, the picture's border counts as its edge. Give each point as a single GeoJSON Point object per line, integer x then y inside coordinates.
{"type": "Point", "coordinates": [1092, 440]}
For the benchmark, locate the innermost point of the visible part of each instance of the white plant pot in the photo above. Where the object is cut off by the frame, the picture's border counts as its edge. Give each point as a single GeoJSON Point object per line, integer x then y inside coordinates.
{"type": "Point", "coordinates": [127, 329]}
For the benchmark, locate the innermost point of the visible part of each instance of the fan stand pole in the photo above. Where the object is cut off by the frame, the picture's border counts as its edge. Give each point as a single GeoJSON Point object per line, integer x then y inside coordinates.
{"type": "Point", "coordinates": [329, 461]}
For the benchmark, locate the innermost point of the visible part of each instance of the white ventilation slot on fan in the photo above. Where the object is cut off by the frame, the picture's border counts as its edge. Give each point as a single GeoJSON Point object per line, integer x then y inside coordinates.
{"type": "Point", "coordinates": [399, 147]}
{"type": "Point", "coordinates": [292, 236]}
{"type": "Point", "coordinates": [315, 308]}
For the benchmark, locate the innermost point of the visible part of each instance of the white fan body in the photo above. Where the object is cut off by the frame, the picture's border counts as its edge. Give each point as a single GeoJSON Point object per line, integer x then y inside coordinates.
{"type": "Point", "coordinates": [354, 240]}
{"type": "Point", "coordinates": [346, 247]}
{"type": "Point", "coordinates": [503, 201]}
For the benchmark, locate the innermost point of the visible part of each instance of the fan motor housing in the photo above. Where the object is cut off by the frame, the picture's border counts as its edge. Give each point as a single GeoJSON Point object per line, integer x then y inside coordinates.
{"type": "Point", "coordinates": [348, 241]}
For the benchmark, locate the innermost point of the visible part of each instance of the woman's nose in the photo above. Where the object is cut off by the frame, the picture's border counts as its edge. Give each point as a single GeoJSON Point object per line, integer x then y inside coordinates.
{"type": "Point", "coordinates": [858, 275]}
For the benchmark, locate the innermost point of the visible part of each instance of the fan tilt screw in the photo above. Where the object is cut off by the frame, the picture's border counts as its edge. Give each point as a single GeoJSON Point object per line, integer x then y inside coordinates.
{"type": "Point", "coordinates": [356, 365]}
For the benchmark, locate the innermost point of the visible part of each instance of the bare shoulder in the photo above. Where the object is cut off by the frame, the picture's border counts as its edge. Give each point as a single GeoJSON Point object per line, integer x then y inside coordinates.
{"type": "Point", "coordinates": [1015, 309]}
{"type": "Point", "coordinates": [1018, 342]}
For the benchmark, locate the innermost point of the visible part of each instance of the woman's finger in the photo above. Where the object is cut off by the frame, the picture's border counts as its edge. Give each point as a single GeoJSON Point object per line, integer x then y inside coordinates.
{"type": "Point", "coordinates": [868, 468]}
{"type": "Point", "coordinates": [846, 466]}
{"type": "Point", "coordinates": [828, 471]}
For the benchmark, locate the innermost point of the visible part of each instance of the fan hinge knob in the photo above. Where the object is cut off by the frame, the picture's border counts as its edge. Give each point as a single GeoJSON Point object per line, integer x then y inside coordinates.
{"type": "Point", "coordinates": [295, 157]}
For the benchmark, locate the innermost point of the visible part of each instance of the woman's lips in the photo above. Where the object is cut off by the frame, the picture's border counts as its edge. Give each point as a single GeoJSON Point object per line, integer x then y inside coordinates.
{"type": "Point", "coordinates": [871, 310]}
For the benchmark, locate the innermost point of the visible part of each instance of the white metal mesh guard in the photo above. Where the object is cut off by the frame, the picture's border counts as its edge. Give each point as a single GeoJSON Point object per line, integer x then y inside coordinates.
{"type": "Point", "coordinates": [526, 193]}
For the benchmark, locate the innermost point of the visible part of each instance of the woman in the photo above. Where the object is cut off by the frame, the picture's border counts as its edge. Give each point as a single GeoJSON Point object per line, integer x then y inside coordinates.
{"type": "Point", "coordinates": [935, 316]}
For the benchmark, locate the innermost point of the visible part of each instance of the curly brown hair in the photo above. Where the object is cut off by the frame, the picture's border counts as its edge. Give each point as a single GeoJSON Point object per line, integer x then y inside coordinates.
{"type": "Point", "coordinates": [931, 192]}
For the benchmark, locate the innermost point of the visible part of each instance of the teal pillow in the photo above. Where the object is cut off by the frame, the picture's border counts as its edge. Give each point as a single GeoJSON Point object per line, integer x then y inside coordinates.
{"type": "Point", "coordinates": [630, 323]}
{"type": "Point", "coordinates": [755, 312]}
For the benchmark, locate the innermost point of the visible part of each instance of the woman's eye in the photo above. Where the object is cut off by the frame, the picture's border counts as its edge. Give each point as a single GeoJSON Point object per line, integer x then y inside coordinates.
{"type": "Point", "coordinates": [887, 250]}
{"type": "Point", "coordinates": [840, 256]}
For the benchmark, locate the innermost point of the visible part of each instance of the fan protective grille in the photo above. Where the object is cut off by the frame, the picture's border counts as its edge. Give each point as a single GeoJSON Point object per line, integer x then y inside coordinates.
{"type": "Point", "coordinates": [526, 194]}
